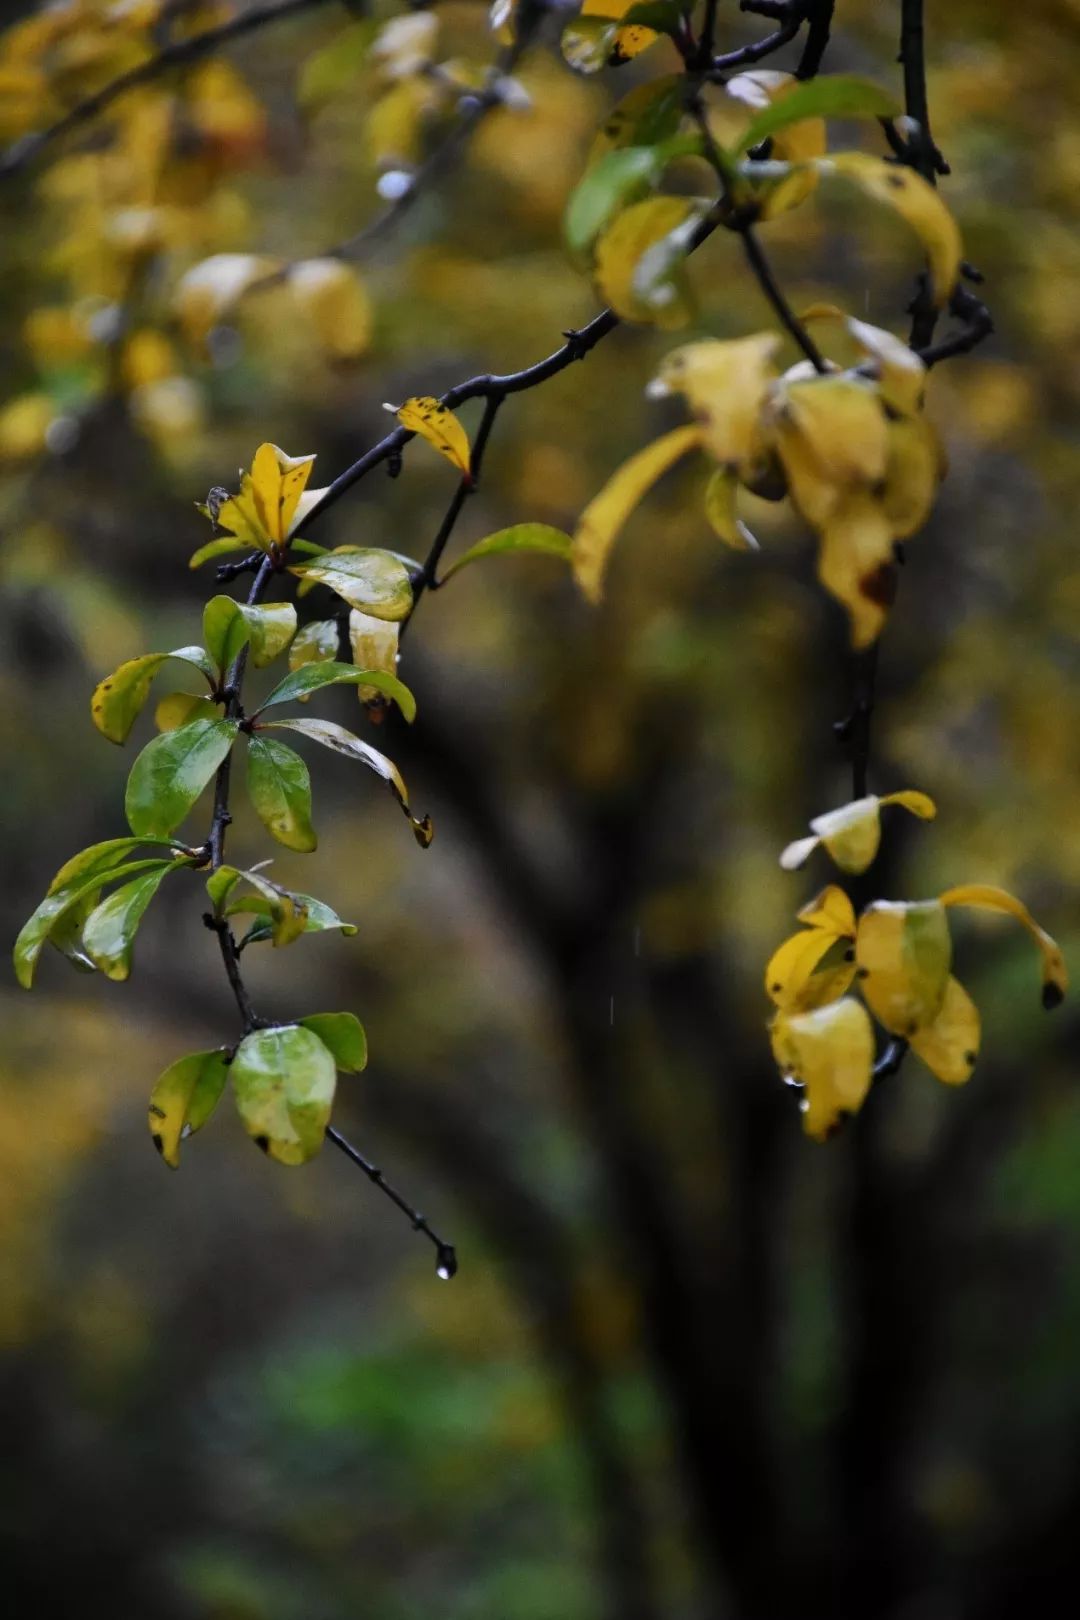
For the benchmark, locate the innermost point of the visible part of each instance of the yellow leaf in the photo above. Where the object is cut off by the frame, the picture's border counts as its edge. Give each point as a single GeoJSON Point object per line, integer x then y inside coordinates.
{"type": "Point", "coordinates": [831, 1052]}
{"type": "Point", "coordinates": [600, 523]}
{"type": "Point", "coordinates": [950, 1045]}
{"type": "Point", "coordinates": [852, 833]}
{"type": "Point", "coordinates": [831, 909]}
{"type": "Point", "coordinates": [903, 953]}
{"type": "Point", "coordinates": [720, 493]}
{"type": "Point", "coordinates": [374, 646]}
{"type": "Point", "coordinates": [332, 297]}
{"type": "Point", "coordinates": [725, 385]}
{"type": "Point", "coordinates": [440, 427]}
{"type": "Point", "coordinates": [916, 201]}
{"type": "Point", "coordinates": [902, 375]}
{"type": "Point", "coordinates": [262, 513]}
{"type": "Point", "coordinates": [629, 42]}
{"type": "Point", "coordinates": [831, 435]}
{"type": "Point", "coordinates": [24, 423]}
{"type": "Point", "coordinates": [792, 977]}
{"type": "Point", "coordinates": [856, 565]}
{"type": "Point", "coordinates": [640, 261]}
{"type": "Point", "coordinates": [914, 467]}
{"type": "Point", "coordinates": [1055, 975]}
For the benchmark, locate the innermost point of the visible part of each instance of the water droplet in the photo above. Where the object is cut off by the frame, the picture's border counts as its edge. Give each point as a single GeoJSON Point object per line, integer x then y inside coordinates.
{"type": "Point", "coordinates": [394, 184]}
{"type": "Point", "coordinates": [793, 1080]}
{"type": "Point", "coordinates": [446, 1264]}
{"type": "Point", "coordinates": [804, 1105]}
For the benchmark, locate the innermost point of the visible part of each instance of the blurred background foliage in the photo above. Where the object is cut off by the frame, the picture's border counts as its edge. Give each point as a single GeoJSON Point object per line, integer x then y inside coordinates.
{"type": "Point", "coordinates": [693, 1365]}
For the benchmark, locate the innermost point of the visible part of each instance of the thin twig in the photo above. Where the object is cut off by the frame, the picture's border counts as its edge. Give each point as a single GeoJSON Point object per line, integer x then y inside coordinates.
{"type": "Point", "coordinates": [755, 254]}
{"type": "Point", "coordinates": [819, 15]}
{"type": "Point", "coordinates": [179, 54]}
{"type": "Point", "coordinates": [445, 1255]}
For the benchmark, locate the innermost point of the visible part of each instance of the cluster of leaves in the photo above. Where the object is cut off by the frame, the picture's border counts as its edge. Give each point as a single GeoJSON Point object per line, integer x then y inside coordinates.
{"type": "Point", "coordinates": [898, 953]}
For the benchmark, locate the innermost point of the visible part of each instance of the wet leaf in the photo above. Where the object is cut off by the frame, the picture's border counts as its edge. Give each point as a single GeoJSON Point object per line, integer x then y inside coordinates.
{"type": "Point", "coordinates": [602, 520]}
{"type": "Point", "coordinates": [118, 700]}
{"type": "Point", "coordinates": [216, 548]}
{"type": "Point", "coordinates": [286, 911]}
{"type": "Point", "coordinates": [796, 979]}
{"type": "Point", "coordinates": [315, 643]}
{"type": "Point", "coordinates": [271, 627]}
{"type": "Point", "coordinates": [374, 644]}
{"type": "Point", "coordinates": [283, 1081]}
{"type": "Point", "coordinates": [172, 771]}
{"type": "Point", "coordinates": [377, 582]}
{"type": "Point", "coordinates": [914, 468]}
{"type": "Point", "coordinates": [535, 537]}
{"type": "Point", "coordinates": [831, 435]}
{"type": "Point", "coordinates": [183, 1099]}
{"type": "Point", "coordinates": [617, 179]}
{"type": "Point", "coordinates": [109, 931]}
{"type": "Point", "coordinates": [831, 1052]}
{"type": "Point", "coordinates": [432, 420]}
{"type": "Point", "coordinates": [311, 677]}
{"type": "Point", "coordinates": [343, 742]}
{"type": "Point", "coordinates": [903, 954]}
{"type": "Point", "coordinates": [343, 1034]}
{"type": "Point", "coordinates": [279, 787]}
{"type": "Point", "coordinates": [986, 897]}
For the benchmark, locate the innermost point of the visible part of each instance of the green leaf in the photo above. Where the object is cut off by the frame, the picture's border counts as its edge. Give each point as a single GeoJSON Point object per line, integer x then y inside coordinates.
{"type": "Point", "coordinates": [375, 581]}
{"type": "Point", "coordinates": [649, 114]}
{"type": "Point", "coordinates": [310, 677]}
{"type": "Point", "coordinates": [280, 789]}
{"type": "Point", "coordinates": [284, 1080]}
{"type": "Point", "coordinates": [216, 548]}
{"type": "Point", "coordinates": [225, 631]}
{"type": "Point", "coordinates": [219, 885]}
{"type": "Point", "coordinates": [271, 626]}
{"type": "Point", "coordinates": [56, 906]}
{"type": "Point", "coordinates": [837, 95]}
{"type": "Point", "coordinates": [615, 180]}
{"type": "Point", "coordinates": [183, 1099]}
{"type": "Point", "coordinates": [538, 537]}
{"type": "Point", "coordinates": [344, 742]}
{"type": "Point", "coordinates": [109, 931]}
{"type": "Point", "coordinates": [308, 548]}
{"type": "Point", "coordinates": [343, 1034]}
{"type": "Point", "coordinates": [100, 859]}
{"type": "Point", "coordinates": [172, 771]}
{"type": "Point", "coordinates": [119, 698]}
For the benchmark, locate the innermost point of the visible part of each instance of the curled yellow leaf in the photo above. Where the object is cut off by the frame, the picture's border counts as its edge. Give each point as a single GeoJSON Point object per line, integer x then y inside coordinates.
{"type": "Point", "coordinates": [916, 201]}
{"type": "Point", "coordinates": [950, 1045]}
{"type": "Point", "coordinates": [724, 384]}
{"type": "Point", "coordinates": [603, 518]}
{"type": "Point", "coordinates": [986, 897]}
{"type": "Point", "coordinates": [640, 261]}
{"type": "Point", "coordinates": [856, 564]}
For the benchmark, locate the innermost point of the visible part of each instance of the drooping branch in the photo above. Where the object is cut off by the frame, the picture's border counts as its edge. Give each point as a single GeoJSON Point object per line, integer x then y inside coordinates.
{"type": "Point", "coordinates": [181, 53]}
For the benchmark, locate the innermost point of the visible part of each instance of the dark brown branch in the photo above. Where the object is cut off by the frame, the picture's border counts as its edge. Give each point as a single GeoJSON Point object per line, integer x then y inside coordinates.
{"type": "Point", "coordinates": [466, 487]}
{"type": "Point", "coordinates": [445, 1255]}
{"type": "Point", "coordinates": [179, 54]}
{"type": "Point", "coordinates": [819, 15]}
{"type": "Point", "coordinates": [755, 254]}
